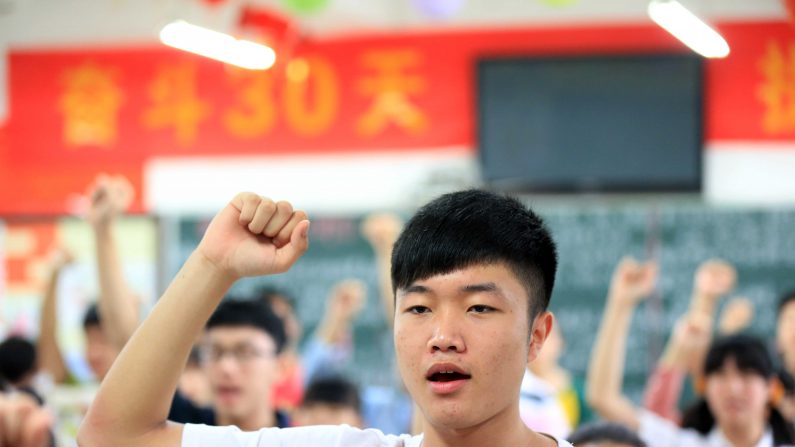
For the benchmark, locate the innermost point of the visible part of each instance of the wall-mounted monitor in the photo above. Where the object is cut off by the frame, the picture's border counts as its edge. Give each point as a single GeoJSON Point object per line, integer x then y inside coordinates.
{"type": "Point", "coordinates": [591, 123]}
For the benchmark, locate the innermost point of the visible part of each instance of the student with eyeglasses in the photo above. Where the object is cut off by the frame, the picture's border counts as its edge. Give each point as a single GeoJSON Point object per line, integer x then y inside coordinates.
{"type": "Point", "coordinates": [238, 353]}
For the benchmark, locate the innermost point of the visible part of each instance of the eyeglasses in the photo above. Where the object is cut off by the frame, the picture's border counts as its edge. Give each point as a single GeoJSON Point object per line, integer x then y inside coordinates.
{"type": "Point", "coordinates": [240, 354]}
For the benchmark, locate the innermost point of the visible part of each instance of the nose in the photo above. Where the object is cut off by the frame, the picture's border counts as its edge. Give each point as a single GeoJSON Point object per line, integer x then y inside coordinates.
{"type": "Point", "coordinates": [226, 363]}
{"type": "Point", "coordinates": [447, 334]}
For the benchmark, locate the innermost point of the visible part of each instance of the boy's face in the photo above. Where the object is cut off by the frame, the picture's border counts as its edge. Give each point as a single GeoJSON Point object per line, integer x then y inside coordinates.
{"type": "Point", "coordinates": [100, 352]}
{"type": "Point", "coordinates": [240, 362]}
{"type": "Point", "coordinates": [473, 322]}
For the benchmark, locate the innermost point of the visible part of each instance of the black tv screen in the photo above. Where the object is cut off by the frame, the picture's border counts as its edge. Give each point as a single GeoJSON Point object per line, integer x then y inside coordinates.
{"type": "Point", "coordinates": [595, 123]}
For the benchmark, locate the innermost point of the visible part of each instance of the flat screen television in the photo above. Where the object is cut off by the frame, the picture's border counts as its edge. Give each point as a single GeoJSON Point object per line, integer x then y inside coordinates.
{"type": "Point", "coordinates": [608, 123]}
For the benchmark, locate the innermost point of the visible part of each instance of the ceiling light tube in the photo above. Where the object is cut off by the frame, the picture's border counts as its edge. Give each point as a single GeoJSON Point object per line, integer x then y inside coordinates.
{"type": "Point", "coordinates": [685, 26]}
{"type": "Point", "coordinates": [219, 46]}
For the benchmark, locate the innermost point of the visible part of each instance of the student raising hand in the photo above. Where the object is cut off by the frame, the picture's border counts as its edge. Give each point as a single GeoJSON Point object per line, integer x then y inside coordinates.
{"type": "Point", "coordinates": [632, 281]}
{"type": "Point", "coordinates": [254, 235]}
{"type": "Point", "coordinates": [251, 235]}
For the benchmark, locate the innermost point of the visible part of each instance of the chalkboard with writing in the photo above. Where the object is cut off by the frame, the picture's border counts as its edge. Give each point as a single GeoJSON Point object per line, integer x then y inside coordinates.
{"type": "Point", "coordinates": [591, 238]}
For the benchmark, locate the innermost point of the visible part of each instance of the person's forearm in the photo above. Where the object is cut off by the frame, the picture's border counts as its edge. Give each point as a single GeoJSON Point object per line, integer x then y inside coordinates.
{"type": "Point", "coordinates": [49, 353]}
{"type": "Point", "coordinates": [675, 356]}
{"type": "Point", "coordinates": [118, 306]}
{"type": "Point", "coordinates": [606, 369]}
{"type": "Point", "coordinates": [334, 330]}
{"type": "Point", "coordinates": [663, 389]}
{"type": "Point", "coordinates": [607, 359]}
{"type": "Point", "coordinates": [135, 396]}
{"type": "Point", "coordinates": [384, 264]}
{"type": "Point", "coordinates": [703, 304]}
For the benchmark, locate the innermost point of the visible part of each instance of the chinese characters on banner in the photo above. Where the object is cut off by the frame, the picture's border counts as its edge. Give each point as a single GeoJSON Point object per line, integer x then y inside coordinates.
{"type": "Point", "coordinates": [777, 91]}
{"type": "Point", "coordinates": [180, 104]}
{"type": "Point", "coordinates": [90, 103]}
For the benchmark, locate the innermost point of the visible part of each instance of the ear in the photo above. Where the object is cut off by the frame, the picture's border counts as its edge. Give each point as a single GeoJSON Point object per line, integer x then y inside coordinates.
{"type": "Point", "coordinates": [542, 326]}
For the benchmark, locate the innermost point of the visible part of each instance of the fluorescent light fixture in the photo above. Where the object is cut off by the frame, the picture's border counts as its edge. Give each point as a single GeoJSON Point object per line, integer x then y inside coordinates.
{"type": "Point", "coordinates": [685, 26]}
{"type": "Point", "coordinates": [219, 46]}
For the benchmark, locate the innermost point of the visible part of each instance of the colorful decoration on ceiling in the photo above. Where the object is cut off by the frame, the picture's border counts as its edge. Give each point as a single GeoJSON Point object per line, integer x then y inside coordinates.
{"type": "Point", "coordinates": [306, 6]}
{"type": "Point", "coordinates": [438, 9]}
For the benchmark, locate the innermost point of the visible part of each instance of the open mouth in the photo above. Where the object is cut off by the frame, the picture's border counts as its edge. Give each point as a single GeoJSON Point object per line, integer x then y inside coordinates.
{"type": "Point", "coordinates": [448, 376]}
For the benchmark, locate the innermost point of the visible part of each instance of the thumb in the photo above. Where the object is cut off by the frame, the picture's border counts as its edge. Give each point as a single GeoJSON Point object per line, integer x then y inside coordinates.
{"type": "Point", "coordinates": [289, 253]}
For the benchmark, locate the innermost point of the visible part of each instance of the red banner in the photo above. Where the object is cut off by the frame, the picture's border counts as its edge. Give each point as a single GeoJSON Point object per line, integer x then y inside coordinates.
{"type": "Point", "coordinates": [73, 113]}
{"type": "Point", "coordinates": [750, 95]}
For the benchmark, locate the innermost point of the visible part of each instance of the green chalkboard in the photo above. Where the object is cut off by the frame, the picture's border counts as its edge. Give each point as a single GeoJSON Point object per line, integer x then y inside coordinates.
{"type": "Point", "coordinates": [591, 240]}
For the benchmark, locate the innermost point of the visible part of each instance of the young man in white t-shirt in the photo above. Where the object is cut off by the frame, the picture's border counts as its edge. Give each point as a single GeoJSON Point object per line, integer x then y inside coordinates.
{"type": "Point", "coordinates": [472, 274]}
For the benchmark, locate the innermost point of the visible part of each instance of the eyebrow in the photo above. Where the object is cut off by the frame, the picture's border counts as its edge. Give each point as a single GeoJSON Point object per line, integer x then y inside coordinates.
{"type": "Point", "coordinates": [487, 287]}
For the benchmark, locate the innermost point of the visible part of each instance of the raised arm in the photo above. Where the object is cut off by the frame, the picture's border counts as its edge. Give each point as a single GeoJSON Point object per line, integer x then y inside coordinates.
{"type": "Point", "coordinates": [713, 279]}
{"type": "Point", "coordinates": [381, 231]}
{"type": "Point", "coordinates": [331, 346]}
{"type": "Point", "coordinates": [345, 302]}
{"type": "Point", "coordinates": [632, 282]}
{"type": "Point", "coordinates": [119, 306]}
{"type": "Point", "coordinates": [736, 316]}
{"type": "Point", "coordinates": [251, 236]}
{"type": "Point", "coordinates": [48, 351]}
{"type": "Point", "coordinates": [689, 340]}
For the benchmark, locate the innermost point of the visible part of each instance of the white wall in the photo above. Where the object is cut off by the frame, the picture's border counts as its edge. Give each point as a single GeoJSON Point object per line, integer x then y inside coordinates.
{"type": "Point", "coordinates": [321, 184]}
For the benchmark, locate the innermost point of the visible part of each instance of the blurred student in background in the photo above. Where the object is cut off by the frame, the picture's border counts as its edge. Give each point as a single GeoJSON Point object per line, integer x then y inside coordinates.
{"type": "Point", "coordinates": [18, 366]}
{"type": "Point", "coordinates": [330, 400]}
{"type": "Point", "coordinates": [239, 354]}
{"type": "Point", "coordinates": [688, 344]}
{"type": "Point", "coordinates": [328, 349]}
{"type": "Point", "coordinates": [109, 324]}
{"type": "Point", "coordinates": [736, 408]}
{"type": "Point", "coordinates": [548, 401]}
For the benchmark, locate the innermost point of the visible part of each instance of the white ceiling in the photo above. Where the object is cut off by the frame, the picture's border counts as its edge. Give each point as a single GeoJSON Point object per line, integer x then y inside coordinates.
{"type": "Point", "coordinates": [25, 23]}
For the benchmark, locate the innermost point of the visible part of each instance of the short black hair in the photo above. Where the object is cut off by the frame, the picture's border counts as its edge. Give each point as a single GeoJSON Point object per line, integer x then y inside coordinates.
{"type": "Point", "coordinates": [17, 359]}
{"type": "Point", "coordinates": [335, 391]}
{"type": "Point", "coordinates": [91, 318]}
{"type": "Point", "coordinates": [235, 312]}
{"type": "Point", "coordinates": [605, 432]}
{"type": "Point", "coordinates": [785, 298]}
{"type": "Point", "coordinates": [749, 353]}
{"type": "Point", "coordinates": [467, 228]}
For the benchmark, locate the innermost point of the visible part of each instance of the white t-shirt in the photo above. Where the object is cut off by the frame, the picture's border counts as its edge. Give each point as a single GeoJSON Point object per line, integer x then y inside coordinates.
{"type": "Point", "coordinates": [315, 436]}
{"type": "Point", "coordinates": [659, 432]}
